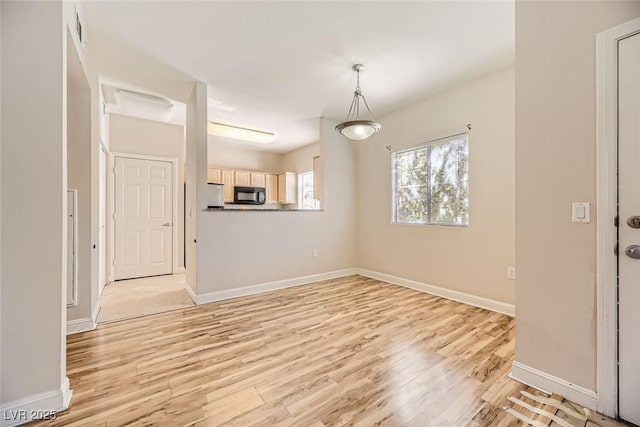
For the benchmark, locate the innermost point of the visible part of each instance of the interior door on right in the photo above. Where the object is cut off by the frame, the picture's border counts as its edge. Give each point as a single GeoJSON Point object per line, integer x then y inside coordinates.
{"type": "Point", "coordinates": [629, 229]}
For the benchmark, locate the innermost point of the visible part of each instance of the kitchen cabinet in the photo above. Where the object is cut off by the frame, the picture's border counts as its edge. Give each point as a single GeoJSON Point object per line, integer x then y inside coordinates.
{"type": "Point", "coordinates": [258, 179]}
{"type": "Point", "coordinates": [228, 178]}
{"type": "Point", "coordinates": [271, 181]}
{"type": "Point", "coordinates": [214, 176]}
{"type": "Point", "coordinates": [287, 188]}
{"type": "Point", "coordinates": [242, 179]}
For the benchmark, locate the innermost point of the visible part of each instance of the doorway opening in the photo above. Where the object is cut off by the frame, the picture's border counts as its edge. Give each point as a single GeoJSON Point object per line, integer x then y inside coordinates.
{"type": "Point", "coordinates": [144, 141]}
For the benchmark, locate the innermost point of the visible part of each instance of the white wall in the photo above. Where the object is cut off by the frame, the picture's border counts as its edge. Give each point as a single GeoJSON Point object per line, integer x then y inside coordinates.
{"type": "Point", "coordinates": [467, 259]}
{"type": "Point", "coordinates": [196, 179]}
{"type": "Point", "coordinates": [247, 248]}
{"type": "Point", "coordinates": [140, 136]}
{"type": "Point", "coordinates": [1, 342]}
{"type": "Point", "coordinates": [301, 159]}
{"type": "Point", "coordinates": [223, 155]}
{"type": "Point", "coordinates": [556, 165]}
{"type": "Point", "coordinates": [79, 176]}
{"type": "Point", "coordinates": [34, 184]}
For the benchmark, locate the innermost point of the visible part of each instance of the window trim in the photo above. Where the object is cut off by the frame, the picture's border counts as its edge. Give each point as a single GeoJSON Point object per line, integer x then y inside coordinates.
{"type": "Point", "coordinates": [301, 191]}
{"type": "Point", "coordinates": [393, 182]}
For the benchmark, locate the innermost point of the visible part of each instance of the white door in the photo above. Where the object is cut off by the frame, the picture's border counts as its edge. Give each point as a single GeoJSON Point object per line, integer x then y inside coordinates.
{"type": "Point", "coordinates": [143, 218]}
{"type": "Point", "coordinates": [629, 232]}
{"type": "Point", "coordinates": [102, 221]}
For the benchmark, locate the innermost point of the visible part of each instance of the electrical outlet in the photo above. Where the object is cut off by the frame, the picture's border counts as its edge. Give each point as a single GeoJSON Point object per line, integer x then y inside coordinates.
{"type": "Point", "coordinates": [314, 253]}
{"type": "Point", "coordinates": [511, 272]}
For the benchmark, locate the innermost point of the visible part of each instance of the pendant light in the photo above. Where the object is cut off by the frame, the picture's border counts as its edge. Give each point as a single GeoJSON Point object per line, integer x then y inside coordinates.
{"type": "Point", "coordinates": [354, 127]}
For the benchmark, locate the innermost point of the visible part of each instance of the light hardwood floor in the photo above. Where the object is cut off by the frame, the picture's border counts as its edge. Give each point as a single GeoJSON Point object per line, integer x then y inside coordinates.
{"type": "Point", "coordinates": [126, 299]}
{"type": "Point", "coordinates": [350, 351]}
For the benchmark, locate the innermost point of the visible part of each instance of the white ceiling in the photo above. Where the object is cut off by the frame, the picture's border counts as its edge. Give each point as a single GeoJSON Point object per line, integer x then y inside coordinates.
{"type": "Point", "coordinates": [284, 64]}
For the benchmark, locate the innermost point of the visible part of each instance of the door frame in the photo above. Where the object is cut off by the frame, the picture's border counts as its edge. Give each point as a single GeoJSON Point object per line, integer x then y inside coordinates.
{"type": "Point", "coordinates": [103, 250]}
{"type": "Point", "coordinates": [111, 231]}
{"type": "Point", "coordinates": [607, 153]}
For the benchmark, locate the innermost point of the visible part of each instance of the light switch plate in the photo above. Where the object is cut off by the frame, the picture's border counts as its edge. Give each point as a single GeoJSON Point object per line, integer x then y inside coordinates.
{"type": "Point", "coordinates": [580, 212]}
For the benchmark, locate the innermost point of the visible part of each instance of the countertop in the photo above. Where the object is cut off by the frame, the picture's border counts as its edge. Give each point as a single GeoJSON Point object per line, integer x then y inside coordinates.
{"type": "Point", "coordinates": [261, 210]}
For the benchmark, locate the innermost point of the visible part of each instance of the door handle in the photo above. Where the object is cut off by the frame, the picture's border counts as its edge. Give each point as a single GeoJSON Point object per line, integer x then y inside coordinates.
{"type": "Point", "coordinates": [633, 251]}
{"type": "Point", "coordinates": [166, 224]}
{"type": "Point", "coordinates": [634, 221]}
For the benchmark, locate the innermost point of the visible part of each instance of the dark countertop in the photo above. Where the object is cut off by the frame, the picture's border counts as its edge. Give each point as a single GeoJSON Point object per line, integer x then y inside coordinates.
{"type": "Point", "coordinates": [261, 210]}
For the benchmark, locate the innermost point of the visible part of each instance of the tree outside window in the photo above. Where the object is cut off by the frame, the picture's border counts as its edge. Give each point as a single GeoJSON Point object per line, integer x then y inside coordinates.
{"type": "Point", "coordinates": [431, 183]}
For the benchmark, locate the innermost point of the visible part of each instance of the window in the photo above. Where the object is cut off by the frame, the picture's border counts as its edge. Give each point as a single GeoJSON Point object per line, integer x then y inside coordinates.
{"type": "Point", "coordinates": [431, 183]}
{"type": "Point", "coordinates": [305, 192]}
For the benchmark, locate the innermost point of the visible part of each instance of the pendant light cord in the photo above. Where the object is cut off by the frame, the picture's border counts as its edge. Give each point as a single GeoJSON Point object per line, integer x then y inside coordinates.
{"type": "Point", "coordinates": [354, 109]}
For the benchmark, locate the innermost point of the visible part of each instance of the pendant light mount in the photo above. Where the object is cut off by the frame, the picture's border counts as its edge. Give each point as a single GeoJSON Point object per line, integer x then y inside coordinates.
{"type": "Point", "coordinates": [355, 127]}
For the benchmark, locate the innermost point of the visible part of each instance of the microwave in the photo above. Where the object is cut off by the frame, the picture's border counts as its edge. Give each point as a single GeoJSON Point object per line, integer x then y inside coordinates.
{"type": "Point", "coordinates": [249, 195]}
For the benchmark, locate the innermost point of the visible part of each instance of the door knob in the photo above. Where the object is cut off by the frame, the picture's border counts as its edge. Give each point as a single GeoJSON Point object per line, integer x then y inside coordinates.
{"type": "Point", "coordinates": [634, 221]}
{"type": "Point", "coordinates": [166, 224]}
{"type": "Point", "coordinates": [633, 251]}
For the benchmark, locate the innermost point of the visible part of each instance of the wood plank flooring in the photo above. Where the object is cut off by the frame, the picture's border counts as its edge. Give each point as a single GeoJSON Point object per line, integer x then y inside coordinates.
{"type": "Point", "coordinates": [126, 299]}
{"type": "Point", "coordinates": [349, 351]}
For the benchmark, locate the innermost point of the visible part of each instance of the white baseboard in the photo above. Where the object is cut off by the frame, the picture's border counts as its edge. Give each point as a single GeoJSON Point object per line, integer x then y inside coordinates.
{"type": "Point", "coordinates": [190, 292]}
{"type": "Point", "coordinates": [80, 325]}
{"type": "Point", "coordinates": [271, 286]}
{"type": "Point", "coordinates": [95, 312]}
{"type": "Point", "coordinates": [551, 384]}
{"type": "Point", "coordinates": [37, 406]}
{"type": "Point", "coordinates": [179, 270]}
{"type": "Point", "coordinates": [489, 304]}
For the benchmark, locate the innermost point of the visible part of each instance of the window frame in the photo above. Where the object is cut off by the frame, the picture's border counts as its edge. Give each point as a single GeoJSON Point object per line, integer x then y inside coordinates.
{"type": "Point", "coordinates": [300, 203]}
{"type": "Point", "coordinates": [393, 176]}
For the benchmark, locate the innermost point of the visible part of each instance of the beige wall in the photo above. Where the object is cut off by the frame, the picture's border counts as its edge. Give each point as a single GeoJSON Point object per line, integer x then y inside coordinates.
{"type": "Point", "coordinates": [34, 183]}
{"type": "Point", "coordinates": [247, 248]}
{"type": "Point", "coordinates": [196, 180]}
{"type": "Point", "coordinates": [223, 155]}
{"type": "Point", "coordinates": [556, 165]}
{"type": "Point", "coordinates": [141, 136]}
{"type": "Point", "coordinates": [467, 259]}
{"type": "Point", "coordinates": [301, 159]}
{"type": "Point", "coordinates": [79, 177]}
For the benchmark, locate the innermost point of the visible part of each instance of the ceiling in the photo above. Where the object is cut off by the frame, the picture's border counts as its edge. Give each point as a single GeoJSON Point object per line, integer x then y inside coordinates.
{"type": "Point", "coordinates": [280, 65]}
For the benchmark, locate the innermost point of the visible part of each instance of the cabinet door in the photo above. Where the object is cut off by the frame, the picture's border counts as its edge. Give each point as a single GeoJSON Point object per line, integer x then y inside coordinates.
{"type": "Point", "coordinates": [271, 188]}
{"type": "Point", "coordinates": [287, 188]}
{"type": "Point", "coordinates": [258, 179]}
{"type": "Point", "coordinates": [243, 179]}
{"type": "Point", "coordinates": [228, 180]}
{"type": "Point", "coordinates": [214, 176]}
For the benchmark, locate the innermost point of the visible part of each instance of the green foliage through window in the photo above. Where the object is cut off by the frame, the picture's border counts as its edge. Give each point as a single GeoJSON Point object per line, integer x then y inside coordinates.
{"type": "Point", "coordinates": [431, 183]}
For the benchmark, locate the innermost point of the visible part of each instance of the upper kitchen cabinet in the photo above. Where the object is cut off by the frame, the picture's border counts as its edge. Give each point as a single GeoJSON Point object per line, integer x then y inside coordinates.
{"type": "Point", "coordinates": [214, 176]}
{"type": "Point", "coordinates": [242, 179]}
{"type": "Point", "coordinates": [287, 188]}
{"type": "Point", "coordinates": [258, 179]}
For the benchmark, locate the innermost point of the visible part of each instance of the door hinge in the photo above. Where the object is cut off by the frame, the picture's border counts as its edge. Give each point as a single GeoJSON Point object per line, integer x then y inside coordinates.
{"type": "Point", "coordinates": [616, 221]}
{"type": "Point", "coordinates": [615, 249]}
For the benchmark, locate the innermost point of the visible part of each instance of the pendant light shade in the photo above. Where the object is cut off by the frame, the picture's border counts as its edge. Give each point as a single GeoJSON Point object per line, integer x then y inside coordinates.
{"type": "Point", "coordinates": [354, 127]}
